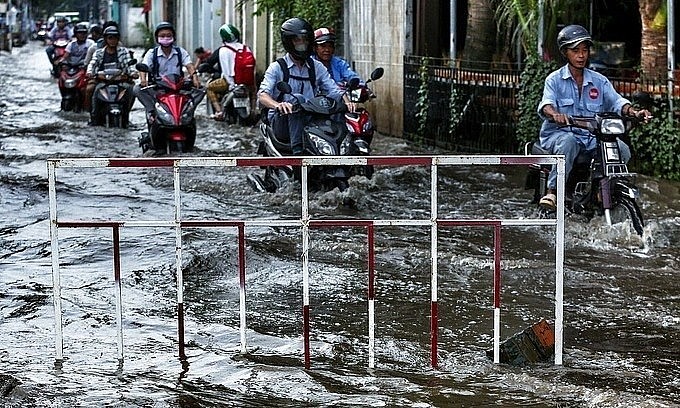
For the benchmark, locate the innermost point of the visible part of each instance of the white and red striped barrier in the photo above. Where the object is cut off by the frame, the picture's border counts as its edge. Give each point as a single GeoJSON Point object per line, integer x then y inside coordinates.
{"type": "Point", "coordinates": [305, 222]}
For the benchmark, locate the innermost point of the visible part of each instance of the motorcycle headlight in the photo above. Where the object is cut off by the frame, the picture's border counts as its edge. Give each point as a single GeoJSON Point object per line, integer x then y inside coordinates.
{"type": "Point", "coordinates": [612, 126]}
{"type": "Point", "coordinates": [163, 115]}
{"type": "Point", "coordinates": [188, 113]}
{"type": "Point", "coordinates": [322, 146]}
{"type": "Point", "coordinates": [70, 83]}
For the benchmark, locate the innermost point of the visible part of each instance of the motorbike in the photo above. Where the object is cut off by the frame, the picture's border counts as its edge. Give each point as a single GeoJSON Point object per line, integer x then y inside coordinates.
{"type": "Point", "coordinates": [601, 185]}
{"type": "Point", "coordinates": [113, 99]}
{"type": "Point", "coordinates": [72, 83]}
{"type": "Point", "coordinates": [322, 136]}
{"type": "Point", "coordinates": [58, 52]}
{"type": "Point", "coordinates": [171, 127]}
{"type": "Point", "coordinates": [237, 103]}
{"type": "Point", "coordinates": [359, 122]}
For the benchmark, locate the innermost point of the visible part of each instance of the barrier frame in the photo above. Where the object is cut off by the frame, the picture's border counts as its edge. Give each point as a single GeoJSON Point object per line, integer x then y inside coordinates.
{"type": "Point", "coordinates": [305, 222]}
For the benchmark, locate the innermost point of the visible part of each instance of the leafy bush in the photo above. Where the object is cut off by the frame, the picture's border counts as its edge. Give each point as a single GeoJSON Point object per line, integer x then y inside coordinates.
{"type": "Point", "coordinates": [530, 93]}
{"type": "Point", "coordinates": [656, 144]}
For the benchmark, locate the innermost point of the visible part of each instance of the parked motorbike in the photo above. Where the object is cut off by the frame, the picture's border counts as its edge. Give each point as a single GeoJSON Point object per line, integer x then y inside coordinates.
{"type": "Point", "coordinates": [322, 136]}
{"type": "Point", "coordinates": [598, 186]}
{"type": "Point", "coordinates": [172, 126]}
{"type": "Point", "coordinates": [359, 122]}
{"type": "Point", "coordinates": [113, 106]}
{"type": "Point", "coordinates": [237, 103]}
{"type": "Point", "coordinates": [72, 83]}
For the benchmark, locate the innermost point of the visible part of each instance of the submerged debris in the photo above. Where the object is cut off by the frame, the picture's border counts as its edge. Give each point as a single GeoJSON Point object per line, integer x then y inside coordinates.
{"type": "Point", "coordinates": [534, 344]}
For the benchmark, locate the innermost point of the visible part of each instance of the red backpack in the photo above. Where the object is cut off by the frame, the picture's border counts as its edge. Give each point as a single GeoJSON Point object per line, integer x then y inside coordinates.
{"type": "Point", "coordinates": [244, 65]}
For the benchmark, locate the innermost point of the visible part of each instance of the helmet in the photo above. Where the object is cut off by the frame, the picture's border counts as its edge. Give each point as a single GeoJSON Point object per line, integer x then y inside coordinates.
{"type": "Point", "coordinates": [229, 33]}
{"type": "Point", "coordinates": [164, 26]}
{"type": "Point", "coordinates": [572, 35]}
{"type": "Point", "coordinates": [61, 19]}
{"type": "Point", "coordinates": [323, 35]}
{"type": "Point", "coordinates": [111, 30]}
{"type": "Point", "coordinates": [95, 29]}
{"type": "Point", "coordinates": [297, 28]}
{"type": "Point", "coordinates": [80, 28]}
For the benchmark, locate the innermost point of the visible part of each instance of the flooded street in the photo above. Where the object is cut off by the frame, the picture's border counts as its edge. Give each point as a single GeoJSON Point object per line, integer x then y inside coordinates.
{"type": "Point", "coordinates": [621, 291]}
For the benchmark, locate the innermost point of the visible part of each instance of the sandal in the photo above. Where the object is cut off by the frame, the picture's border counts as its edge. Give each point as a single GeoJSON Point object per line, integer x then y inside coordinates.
{"type": "Point", "coordinates": [548, 202]}
{"type": "Point", "coordinates": [219, 116]}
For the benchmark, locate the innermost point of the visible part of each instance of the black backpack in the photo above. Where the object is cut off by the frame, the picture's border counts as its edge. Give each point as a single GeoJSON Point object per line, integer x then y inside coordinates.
{"type": "Point", "coordinates": [286, 73]}
{"type": "Point", "coordinates": [155, 68]}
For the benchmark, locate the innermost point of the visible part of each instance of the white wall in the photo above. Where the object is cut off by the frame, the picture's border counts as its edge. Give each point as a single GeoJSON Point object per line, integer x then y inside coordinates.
{"type": "Point", "coordinates": [375, 34]}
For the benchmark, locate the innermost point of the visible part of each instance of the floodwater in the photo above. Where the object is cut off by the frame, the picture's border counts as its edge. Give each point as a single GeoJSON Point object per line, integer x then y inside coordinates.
{"type": "Point", "coordinates": [622, 292]}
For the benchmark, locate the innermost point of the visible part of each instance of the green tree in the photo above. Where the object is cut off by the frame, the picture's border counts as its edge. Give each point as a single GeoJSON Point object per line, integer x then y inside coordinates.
{"type": "Point", "coordinates": [317, 13]}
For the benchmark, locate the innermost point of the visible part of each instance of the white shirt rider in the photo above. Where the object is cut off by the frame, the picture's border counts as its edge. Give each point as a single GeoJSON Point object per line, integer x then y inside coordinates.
{"type": "Point", "coordinates": [228, 61]}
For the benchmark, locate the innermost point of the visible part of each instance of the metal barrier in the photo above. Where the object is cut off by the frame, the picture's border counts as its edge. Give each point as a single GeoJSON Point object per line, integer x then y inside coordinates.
{"type": "Point", "coordinates": [305, 222]}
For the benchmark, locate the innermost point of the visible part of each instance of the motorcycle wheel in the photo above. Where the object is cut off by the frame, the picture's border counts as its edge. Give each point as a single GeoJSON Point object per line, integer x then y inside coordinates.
{"type": "Point", "coordinates": [113, 121]}
{"type": "Point", "coordinates": [175, 146]}
{"type": "Point", "coordinates": [625, 207]}
{"type": "Point", "coordinates": [67, 105]}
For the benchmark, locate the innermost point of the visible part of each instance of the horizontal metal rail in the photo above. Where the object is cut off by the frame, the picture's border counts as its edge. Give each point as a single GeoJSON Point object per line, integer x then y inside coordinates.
{"type": "Point", "coordinates": [305, 222]}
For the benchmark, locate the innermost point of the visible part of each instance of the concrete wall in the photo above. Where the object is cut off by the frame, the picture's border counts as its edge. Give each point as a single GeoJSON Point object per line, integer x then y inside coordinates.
{"type": "Point", "coordinates": [135, 37]}
{"type": "Point", "coordinates": [375, 35]}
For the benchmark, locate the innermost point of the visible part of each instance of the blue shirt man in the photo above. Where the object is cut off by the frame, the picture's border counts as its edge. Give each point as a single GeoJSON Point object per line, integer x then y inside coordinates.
{"type": "Point", "coordinates": [283, 122]}
{"type": "Point", "coordinates": [575, 90]}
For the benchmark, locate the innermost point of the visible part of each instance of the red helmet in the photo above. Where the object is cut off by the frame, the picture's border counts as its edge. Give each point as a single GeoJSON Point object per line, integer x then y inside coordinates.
{"type": "Point", "coordinates": [323, 35]}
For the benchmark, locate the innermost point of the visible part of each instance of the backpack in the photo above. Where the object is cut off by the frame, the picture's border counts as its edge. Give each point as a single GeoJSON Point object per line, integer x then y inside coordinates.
{"type": "Point", "coordinates": [154, 61]}
{"type": "Point", "coordinates": [287, 75]}
{"type": "Point", "coordinates": [244, 65]}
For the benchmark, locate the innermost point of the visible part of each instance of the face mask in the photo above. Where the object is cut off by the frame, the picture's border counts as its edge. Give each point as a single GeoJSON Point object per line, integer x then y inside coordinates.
{"type": "Point", "coordinates": [301, 47]}
{"type": "Point", "coordinates": [166, 41]}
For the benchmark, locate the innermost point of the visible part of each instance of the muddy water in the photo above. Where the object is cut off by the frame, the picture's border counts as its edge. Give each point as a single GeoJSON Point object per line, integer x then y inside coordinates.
{"type": "Point", "coordinates": [622, 313]}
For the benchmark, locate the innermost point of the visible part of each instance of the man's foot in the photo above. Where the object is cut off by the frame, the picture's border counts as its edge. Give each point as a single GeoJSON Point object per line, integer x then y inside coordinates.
{"type": "Point", "coordinates": [549, 202]}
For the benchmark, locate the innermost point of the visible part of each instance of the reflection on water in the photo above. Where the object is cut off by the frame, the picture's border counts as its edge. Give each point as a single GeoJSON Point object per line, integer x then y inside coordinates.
{"type": "Point", "coordinates": [621, 291]}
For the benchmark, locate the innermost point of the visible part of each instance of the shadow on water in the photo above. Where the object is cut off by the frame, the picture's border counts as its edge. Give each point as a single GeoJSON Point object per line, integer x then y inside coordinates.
{"type": "Point", "coordinates": [621, 291]}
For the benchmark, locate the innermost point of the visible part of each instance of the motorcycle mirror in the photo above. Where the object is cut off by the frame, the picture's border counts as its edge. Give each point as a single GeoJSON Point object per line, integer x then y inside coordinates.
{"type": "Point", "coordinates": [643, 99]}
{"type": "Point", "coordinates": [203, 67]}
{"type": "Point", "coordinates": [284, 87]}
{"type": "Point", "coordinates": [142, 67]}
{"type": "Point", "coordinates": [377, 73]}
{"type": "Point", "coordinates": [132, 62]}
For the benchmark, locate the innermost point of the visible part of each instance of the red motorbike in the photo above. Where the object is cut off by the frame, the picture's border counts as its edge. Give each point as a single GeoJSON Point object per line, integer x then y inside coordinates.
{"type": "Point", "coordinates": [359, 122]}
{"type": "Point", "coordinates": [72, 83]}
{"type": "Point", "coordinates": [58, 51]}
{"type": "Point", "coordinates": [171, 126]}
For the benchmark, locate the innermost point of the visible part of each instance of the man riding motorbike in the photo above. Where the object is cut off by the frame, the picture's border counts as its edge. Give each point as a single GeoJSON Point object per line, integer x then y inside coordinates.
{"type": "Point", "coordinates": [77, 50]}
{"type": "Point", "coordinates": [110, 53]}
{"type": "Point", "coordinates": [231, 38]}
{"type": "Point", "coordinates": [59, 31]}
{"type": "Point", "coordinates": [324, 51]}
{"type": "Point", "coordinates": [575, 90]}
{"type": "Point", "coordinates": [306, 76]}
{"type": "Point", "coordinates": [165, 59]}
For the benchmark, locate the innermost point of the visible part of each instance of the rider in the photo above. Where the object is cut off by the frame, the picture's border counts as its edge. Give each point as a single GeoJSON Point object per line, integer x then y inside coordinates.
{"type": "Point", "coordinates": [231, 37]}
{"type": "Point", "coordinates": [112, 52]}
{"type": "Point", "coordinates": [297, 37]}
{"type": "Point", "coordinates": [165, 59]}
{"type": "Point", "coordinates": [59, 31]}
{"type": "Point", "coordinates": [575, 90]}
{"type": "Point", "coordinates": [77, 50]}
{"type": "Point", "coordinates": [324, 51]}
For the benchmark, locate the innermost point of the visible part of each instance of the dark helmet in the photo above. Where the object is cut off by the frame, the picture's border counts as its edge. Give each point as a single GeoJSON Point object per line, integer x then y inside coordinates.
{"type": "Point", "coordinates": [229, 33]}
{"type": "Point", "coordinates": [95, 29]}
{"type": "Point", "coordinates": [111, 30]}
{"type": "Point", "coordinates": [80, 28]}
{"type": "Point", "coordinates": [323, 35]}
{"type": "Point", "coordinates": [572, 35]}
{"type": "Point", "coordinates": [164, 26]}
{"type": "Point", "coordinates": [297, 28]}
{"type": "Point", "coordinates": [61, 19]}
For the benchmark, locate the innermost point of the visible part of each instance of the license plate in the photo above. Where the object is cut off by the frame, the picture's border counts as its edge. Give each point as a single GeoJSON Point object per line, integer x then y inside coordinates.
{"type": "Point", "coordinates": [241, 102]}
